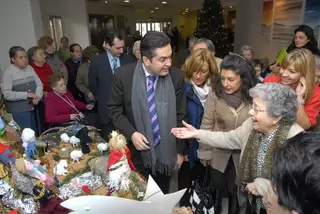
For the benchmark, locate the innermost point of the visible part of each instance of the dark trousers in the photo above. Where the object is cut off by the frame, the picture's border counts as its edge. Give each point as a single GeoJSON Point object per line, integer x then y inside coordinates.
{"type": "Point", "coordinates": [106, 130]}
{"type": "Point", "coordinates": [227, 179]}
{"type": "Point", "coordinates": [42, 118]}
{"type": "Point", "coordinates": [163, 181]}
{"type": "Point", "coordinates": [27, 119]}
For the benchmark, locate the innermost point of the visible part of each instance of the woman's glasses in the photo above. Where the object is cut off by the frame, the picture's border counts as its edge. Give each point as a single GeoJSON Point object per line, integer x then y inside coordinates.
{"type": "Point", "coordinates": [256, 111]}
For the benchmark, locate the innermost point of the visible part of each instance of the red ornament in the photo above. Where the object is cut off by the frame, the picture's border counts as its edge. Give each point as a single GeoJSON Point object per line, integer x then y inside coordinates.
{"type": "Point", "coordinates": [86, 189]}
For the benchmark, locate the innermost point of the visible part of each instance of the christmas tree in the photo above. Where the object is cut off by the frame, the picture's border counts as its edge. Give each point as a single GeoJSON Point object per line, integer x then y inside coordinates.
{"type": "Point", "coordinates": [211, 25]}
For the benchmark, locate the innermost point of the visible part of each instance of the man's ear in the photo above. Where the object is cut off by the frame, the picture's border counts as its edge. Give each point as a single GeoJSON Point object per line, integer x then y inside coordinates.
{"type": "Point", "coordinates": [107, 46]}
{"type": "Point", "coordinates": [146, 61]}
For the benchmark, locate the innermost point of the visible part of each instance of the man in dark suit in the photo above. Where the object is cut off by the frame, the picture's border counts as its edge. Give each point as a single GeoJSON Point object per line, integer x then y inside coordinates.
{"type": "Point", "coordinates": [101, 72]}
{"type": "Point", "coordinates": [146, 100]}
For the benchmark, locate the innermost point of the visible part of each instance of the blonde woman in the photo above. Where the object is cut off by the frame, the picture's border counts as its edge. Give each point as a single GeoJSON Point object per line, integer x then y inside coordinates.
{"type": "Point", "coordinates": [201, 73]}
{"type": "Point", "coordinates": [298, 72]}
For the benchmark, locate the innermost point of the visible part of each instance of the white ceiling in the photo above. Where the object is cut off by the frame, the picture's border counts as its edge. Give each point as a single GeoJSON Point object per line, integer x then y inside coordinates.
{"type": "Point", "coordinates": [151, 4]}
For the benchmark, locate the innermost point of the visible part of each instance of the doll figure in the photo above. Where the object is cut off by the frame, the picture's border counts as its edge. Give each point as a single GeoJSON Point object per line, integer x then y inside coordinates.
{"type": "Point", "coordinates": [33, 169]}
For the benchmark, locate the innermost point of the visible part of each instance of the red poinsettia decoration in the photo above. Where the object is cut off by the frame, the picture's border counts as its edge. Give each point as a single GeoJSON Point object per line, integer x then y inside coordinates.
{"type": "Point", "coordinates": [86, 189]}
{"type": "Point", "coordinates": [13, 212]}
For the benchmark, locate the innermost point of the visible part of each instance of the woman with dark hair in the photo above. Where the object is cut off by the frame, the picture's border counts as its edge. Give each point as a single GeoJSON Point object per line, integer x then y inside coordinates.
{"type": "Point", "coordinates": [258, 67]}
{"type": "Point", "coordinates": [82, 80]}
{"type": "Point", "coordinates": [226, 110]}
{"type": "Point", "coordinates": [22, 89]}
{"type": "Point", "coordinates": [72, 65]}
{"type": "Point", "coordinates": [304, 38]}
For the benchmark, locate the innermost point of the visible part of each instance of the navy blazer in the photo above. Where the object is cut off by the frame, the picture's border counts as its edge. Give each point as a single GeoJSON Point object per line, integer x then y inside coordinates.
{"type": "Point", "coordinates": [100, 81]}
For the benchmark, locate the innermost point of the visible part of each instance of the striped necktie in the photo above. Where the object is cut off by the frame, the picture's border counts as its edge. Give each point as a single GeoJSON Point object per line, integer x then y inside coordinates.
{"type": "Point", "coordinates": [153, 110]}
{"type": "Point", "coordinates": [114, 63]}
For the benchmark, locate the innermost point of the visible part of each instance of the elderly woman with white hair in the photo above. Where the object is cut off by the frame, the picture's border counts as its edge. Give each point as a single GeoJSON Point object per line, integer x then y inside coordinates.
{"type": "Point", "coordinates": [136, 50]}
{"type": "Point", "coordinates": [272, 121]}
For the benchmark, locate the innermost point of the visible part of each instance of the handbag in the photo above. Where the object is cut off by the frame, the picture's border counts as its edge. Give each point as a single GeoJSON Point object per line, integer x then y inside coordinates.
{"type": "Point", "coordinates": [200, 196]}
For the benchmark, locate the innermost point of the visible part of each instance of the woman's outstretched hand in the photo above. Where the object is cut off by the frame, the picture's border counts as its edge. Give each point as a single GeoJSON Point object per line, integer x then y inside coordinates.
{"type": "Point", "coordinates": [186, 132]}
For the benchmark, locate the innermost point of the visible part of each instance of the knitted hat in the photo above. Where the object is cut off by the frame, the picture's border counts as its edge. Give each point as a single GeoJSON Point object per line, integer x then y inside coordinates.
{"type": "Point", "coordinates": [28, 135]}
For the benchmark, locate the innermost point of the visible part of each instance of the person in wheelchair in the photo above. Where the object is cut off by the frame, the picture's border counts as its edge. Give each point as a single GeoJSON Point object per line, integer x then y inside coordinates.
{"type": "Point", "coordinates": [60, 105]}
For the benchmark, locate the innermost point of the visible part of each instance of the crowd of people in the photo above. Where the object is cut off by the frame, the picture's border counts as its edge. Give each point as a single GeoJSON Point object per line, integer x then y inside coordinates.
{"type": "Point", "coordinates": [247, 121]}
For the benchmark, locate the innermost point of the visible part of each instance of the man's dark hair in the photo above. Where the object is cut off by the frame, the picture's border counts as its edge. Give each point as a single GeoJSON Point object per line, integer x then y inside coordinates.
{"type": "Point", "coordinates": [13, 51]}
{"type": "Point", "coordinates": [151, 41]}
{"type": "Point", "coordinates": [64, 38]}
{"type": "Point", "coordinates": [72, 46]}
{"type": "Point", "coordinates": [111, 35]}
{"type": "Point", "coordinates": [296, 173]}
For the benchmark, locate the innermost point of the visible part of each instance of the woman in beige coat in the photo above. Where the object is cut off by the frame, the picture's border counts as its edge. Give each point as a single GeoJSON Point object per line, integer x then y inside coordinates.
{"type": "Point", "coordinates": [272, 121]}
{"type": "Point", "coordinates": [226, 110]}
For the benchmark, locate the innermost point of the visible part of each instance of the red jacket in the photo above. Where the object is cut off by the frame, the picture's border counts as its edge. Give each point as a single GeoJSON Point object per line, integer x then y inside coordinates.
{"type": "Point", "coordinates": [58, 111]}
{"type": "Point", "coordinates": [43, 73]}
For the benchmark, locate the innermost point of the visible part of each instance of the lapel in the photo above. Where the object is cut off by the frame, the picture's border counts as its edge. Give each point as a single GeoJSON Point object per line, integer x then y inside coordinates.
{"type": "Point", "coordinates": [107, 63]}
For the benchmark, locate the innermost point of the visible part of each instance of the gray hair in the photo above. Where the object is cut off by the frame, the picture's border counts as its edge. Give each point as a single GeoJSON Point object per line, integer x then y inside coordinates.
{"type": "Point", "coordinates": [193, 40]}
{"type": "Point", "coordinates": [31, 52]}
{"type": "Point", "coordinates": [246, 48]}
{"type": "Point", "coordinates": [280, 100]}
{"type": "Point", "coordinates": [317, 59]}
{"type": "Point", "coordinates": [208, 43]}
{"type": "Point", "coordinates": [135, 45]}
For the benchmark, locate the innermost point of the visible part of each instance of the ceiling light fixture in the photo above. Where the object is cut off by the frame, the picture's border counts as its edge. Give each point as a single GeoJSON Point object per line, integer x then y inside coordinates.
{"type": "Point", "coordinates": [231, 6]}
{"type": "Point", "coordinates": [164, 2]}
{"type": "Point", "coordinates": [187, 9]}
{"type": "Point", "coordinates": [106, 2]}
{"type": "Point", "coordinates": [126, 1]}
{"type": "Point", "coordinates": [183, 13]}
{"type": "Point", "coordinates": [152, 11]}
{"type": "Point", "coordinates": [157, 8]}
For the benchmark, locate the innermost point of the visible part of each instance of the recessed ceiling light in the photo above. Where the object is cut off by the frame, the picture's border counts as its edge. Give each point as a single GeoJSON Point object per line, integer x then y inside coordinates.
{"type": "Point", "coordinates": [164, 2]}
{"type": "Point", "coordinates": [230, 6]}
{"type": "Point", "coordinates": [152, 11]}
{"type": "Point", "coordinates": [183, 13]}
{"type": "Point", "coordinates": [106, 2]}
{"type": "Point", "coordinates": [126, 1]}
{"type": "Point", "coordinates": [157, 8]}
{"type": "Point", "coordinates": [187, 9]}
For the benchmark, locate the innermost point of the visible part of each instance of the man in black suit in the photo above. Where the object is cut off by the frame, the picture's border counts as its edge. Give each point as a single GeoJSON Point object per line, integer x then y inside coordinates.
{"type": "Point", "coordinates": [101, 72]}
{"type": "Point", "coordinates": [147, 99]}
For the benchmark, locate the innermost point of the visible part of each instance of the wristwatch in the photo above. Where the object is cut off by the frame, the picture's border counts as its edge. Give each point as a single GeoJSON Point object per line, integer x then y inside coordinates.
{"type": "Point", "coordinates": [300, 101]}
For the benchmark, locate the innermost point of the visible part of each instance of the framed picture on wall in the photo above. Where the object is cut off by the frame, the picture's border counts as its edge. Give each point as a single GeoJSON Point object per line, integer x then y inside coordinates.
{"type": "Point", "coordinates": [312, 16]}
{"type": "Point", "coordinates": [287, 17]}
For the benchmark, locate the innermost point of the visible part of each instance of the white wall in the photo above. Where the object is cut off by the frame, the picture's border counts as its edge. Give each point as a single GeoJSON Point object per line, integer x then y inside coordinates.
{"type": "Point", "coordinates": [74, 18]}
{"type": "Point", "coordinates": [17, 26]}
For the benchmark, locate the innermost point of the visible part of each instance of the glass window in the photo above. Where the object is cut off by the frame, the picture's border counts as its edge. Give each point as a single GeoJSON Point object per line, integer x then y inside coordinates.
{"type": "Point", "coordinates": [143, 29]}
{"type": "Point", "coordinates": [157, 27]}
